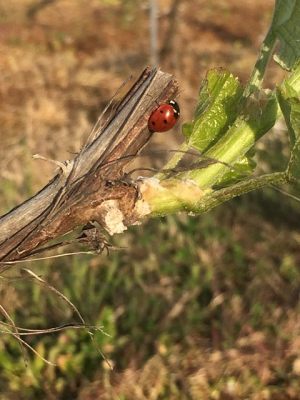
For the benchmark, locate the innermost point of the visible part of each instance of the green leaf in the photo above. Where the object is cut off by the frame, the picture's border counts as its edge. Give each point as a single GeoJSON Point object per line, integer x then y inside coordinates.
{"type": "Point", "coordinates": [289, 103]}
{"type": "Point", "coordinates": [187, 129]}
{"type": "Point", "coordinates": [286, 26]}
{"type": "Point", "coordinates": [216, 110]}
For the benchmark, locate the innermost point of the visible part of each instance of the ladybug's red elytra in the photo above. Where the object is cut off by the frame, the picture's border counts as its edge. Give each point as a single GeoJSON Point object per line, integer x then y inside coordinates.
{"type": "Point", "coordinates": [164, 117]}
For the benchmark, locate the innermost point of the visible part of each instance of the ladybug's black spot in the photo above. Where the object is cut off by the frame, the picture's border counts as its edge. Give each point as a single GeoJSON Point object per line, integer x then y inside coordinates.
{"type": "Point", "coordinates": [153, 123]}
{"type": "Point", "coordinates": [161, 111]}
{"type": "Point", "coordinates": [165, 121]}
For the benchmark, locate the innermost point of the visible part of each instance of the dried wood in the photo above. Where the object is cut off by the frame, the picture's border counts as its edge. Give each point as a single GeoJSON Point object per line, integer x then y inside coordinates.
{"type": "Point", "coordinates": [90, 187]}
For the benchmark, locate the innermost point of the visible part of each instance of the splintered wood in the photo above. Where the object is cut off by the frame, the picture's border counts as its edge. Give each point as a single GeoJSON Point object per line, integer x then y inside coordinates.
{"type": "Point", "coordinates": [90, 188]}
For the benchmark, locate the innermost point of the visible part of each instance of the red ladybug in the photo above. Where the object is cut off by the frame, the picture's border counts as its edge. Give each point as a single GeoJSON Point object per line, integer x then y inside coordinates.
{"type": "Point", "coordinates": [164, 117]}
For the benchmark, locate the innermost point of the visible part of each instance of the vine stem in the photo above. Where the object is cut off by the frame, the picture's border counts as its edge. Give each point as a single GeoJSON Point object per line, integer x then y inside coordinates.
{"type": "Point", "coordinates": [180, 196]}
{"type": "Point", "coordinates": [220, 196]}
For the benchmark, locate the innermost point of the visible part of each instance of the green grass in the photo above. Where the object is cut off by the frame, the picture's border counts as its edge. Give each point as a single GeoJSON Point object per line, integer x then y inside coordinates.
{"type": "Point", "coordinates": [183, 280]}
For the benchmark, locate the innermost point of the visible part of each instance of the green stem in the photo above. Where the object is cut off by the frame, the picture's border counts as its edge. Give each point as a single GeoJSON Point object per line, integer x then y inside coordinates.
{"type": "Point", "coordinates": [237, 141]}
{"type": "Point", "coordinates": [179, 197]}
{"type": "Point", "coordinates": [220, 196]}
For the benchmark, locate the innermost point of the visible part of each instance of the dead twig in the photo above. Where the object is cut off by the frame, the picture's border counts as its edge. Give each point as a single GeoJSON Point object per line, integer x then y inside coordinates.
{"type": "Point", "coordinates": [89, 188]}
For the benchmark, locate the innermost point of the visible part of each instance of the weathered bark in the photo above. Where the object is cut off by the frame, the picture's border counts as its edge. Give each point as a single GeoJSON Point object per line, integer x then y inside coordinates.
{"type": "Point", "coordinates": [90, 187]}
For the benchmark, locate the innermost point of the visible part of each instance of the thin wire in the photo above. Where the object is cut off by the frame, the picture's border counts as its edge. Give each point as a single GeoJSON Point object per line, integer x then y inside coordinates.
{"type": "Point", "coordinates": [286, 193]}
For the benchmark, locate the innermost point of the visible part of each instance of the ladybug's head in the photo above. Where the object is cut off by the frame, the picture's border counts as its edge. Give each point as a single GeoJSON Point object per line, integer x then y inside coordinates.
{"type": "Point", "coordinates": [176, 108]}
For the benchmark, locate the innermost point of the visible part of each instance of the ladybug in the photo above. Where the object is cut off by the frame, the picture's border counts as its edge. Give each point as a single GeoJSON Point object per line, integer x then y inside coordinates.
{"type": "Point", "coordinates": [164, 117]}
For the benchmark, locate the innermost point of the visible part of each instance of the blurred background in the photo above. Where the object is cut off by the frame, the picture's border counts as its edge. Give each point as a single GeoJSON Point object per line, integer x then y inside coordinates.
{"type": "Point", "coordinates": [195, 307]}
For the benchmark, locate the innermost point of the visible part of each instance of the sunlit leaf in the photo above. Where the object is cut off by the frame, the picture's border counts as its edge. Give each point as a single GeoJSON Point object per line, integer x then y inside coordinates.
{"type": "Point", "coordinates": [216, 110]}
